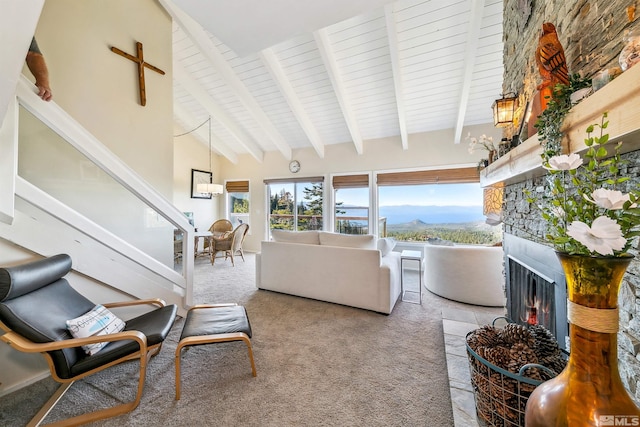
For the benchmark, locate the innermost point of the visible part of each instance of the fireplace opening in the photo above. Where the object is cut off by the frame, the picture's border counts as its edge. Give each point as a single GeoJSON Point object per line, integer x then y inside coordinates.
{"type": "Point", "coordinates": [533, 297]}
{"type": "Point", "coordinates": [535, 287]}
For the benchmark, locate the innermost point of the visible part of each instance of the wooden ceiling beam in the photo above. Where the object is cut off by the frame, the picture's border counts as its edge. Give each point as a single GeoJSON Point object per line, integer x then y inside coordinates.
{"type": "Point", "coordinates": [201, 39]}
{"type": "Point", "coordinates": [473, 35]}
{"type": "Point", "coordinates": [328, 58]}
{"type": "Point", "coordinates": [286, 88]}
{"type": "Point", "coordinates": [394, 54]}
{"type": "Point", "coordinates": [195, 89]}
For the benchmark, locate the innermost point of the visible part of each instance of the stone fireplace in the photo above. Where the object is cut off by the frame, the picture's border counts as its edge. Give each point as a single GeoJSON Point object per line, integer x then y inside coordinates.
{"type": "Point", "coordinates": [591, 34]}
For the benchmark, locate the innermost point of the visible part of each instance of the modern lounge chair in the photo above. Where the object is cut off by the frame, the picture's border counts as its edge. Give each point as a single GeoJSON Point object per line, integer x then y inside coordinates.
{"type": "Point", "coordinates": [38, 311]}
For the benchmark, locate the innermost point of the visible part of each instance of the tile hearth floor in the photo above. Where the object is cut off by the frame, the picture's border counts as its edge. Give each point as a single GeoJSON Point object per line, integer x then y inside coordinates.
{"type": "Point", "coordinates": [457, 320]}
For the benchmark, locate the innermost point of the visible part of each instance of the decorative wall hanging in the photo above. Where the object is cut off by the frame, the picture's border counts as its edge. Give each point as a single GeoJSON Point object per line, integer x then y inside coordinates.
{"type": "Point", "coordinates": [139, 59]}
{"type": "Point", "coordinates": [199, 178]}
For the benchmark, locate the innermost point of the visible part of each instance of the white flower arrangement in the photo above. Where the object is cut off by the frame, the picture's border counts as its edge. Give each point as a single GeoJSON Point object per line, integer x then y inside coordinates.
{"type": "Point", "coordinates": [483, 143]}
{"type": "Point", "coordinates": [583, 205]}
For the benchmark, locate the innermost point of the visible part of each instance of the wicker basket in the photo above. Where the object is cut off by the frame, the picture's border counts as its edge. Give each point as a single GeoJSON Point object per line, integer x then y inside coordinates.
{"type": "Point", "coordinates": [500, 395]}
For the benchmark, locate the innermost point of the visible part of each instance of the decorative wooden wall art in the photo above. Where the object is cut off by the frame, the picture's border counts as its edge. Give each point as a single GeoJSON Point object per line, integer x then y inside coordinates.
{"type": "Point", "coordinates": [139, 59]}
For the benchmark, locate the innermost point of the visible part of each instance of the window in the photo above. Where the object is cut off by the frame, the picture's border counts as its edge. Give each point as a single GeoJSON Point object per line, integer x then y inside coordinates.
{"type": "Point", "coordinates": [238, 202]}
{"type": "Point", "coordinates": [351, 204]}
{"type": "Point", "coordinates": [296, 204]}
{"type": "Point", "coordinates": [435, 204]}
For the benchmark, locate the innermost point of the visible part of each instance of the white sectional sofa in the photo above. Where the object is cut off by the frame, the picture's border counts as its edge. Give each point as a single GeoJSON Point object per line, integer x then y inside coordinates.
{"type": "Point", "coordinates": [472, 274]}
{"type": "Point", "coordinates": [343, 269]}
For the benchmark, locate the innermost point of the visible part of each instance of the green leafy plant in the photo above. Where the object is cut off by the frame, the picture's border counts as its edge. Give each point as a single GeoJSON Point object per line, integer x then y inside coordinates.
{"type": "Point", "coordinates": [550, 120]}
{"type": "Point", "coordinates": [582, 203]}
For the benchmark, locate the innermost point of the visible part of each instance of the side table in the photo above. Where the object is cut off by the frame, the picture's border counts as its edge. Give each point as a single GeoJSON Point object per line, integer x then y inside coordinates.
{"type": "Point", "coordinates": [196, 239]}
{"type": "Point", "coordinates": [411, 256]}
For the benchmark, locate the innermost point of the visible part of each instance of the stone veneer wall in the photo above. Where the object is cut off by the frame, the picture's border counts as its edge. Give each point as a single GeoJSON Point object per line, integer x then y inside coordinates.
{"type": "Point", "coordinates": [591, 34]}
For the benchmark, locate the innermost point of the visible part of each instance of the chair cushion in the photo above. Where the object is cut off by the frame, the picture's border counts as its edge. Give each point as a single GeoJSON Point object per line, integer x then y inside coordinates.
{"type": "Point", "coordinates": [22, 279]}
{"type": "Point", "coordinates": [218, 320]}
{"type": "Point", "coordinates": [58, 302]}
{"type": "Point", "coordinates": [98, 321]}
{"type": "Point", "coordinates": [155, 325]}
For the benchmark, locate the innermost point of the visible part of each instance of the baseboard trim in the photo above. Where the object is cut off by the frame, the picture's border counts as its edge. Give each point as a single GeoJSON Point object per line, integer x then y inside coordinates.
{"type": "Point", "coordinates": [17, 386]}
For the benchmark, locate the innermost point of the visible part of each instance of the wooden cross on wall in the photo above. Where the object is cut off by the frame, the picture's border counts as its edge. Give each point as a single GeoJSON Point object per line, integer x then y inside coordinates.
{"type": "Point", "coordinates": [141, 66]}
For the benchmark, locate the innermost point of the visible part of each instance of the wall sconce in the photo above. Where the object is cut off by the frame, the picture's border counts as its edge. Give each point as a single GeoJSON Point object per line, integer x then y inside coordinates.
{"type": "Point", "coordinates": [504, 109]}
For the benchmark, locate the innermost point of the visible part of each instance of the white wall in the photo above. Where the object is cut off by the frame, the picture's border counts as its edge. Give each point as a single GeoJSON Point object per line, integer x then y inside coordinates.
{"type": "Point", "coordinates": [100, 88]}
{"type": "Point", "coordinates": [426, 150]}
{"type": "Point", "coordinates": [191, 153]}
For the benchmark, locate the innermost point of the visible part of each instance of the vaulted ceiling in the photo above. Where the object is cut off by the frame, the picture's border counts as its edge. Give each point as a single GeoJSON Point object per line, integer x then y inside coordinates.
{"type": "Point", "coordinates": [279, 75]}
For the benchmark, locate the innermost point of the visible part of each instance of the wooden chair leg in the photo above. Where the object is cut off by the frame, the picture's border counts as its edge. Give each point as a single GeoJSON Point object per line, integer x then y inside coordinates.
{"type": "Point", "coordinates": [48, 406]}
{"type": "Point", "coordinates": [177, 363]}
{"type": "Point", "coordinates": [250, 351]}
{"type": "Point", "coordinates": [95, 415]}
{"type": "Point", "coordinates": [209, 339]}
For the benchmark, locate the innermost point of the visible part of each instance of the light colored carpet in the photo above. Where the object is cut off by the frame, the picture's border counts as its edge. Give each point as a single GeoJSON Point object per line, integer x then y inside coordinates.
{"type": "Point", "coordinates": [318, 364]}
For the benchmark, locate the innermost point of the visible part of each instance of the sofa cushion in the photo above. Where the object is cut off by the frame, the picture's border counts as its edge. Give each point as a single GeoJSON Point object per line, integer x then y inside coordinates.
{"type": "Point", "coordinates": [439, 242]}
{"type": "Point", "coordinates": [386, 245]}
{"type": "Point", "coordinates": [366, 241]}
{"type": "Point", "coordinates": [286, 236]}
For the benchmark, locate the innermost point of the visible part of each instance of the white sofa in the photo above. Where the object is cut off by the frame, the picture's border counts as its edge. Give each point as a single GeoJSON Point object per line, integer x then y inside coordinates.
{"type": "Point", "coordinates": [472, 274]}
{"type": "Point", "coordinates": [337, 268]}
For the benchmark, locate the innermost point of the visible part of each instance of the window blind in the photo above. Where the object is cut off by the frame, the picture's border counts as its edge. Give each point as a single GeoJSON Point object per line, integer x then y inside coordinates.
{"type": "Point", "coordinates": [237, 186]}
{"type": "Point", "coordinates": [434, 176]}
{"type": "Point", "coordinates": [351, 181]}
{"type": "Point", "coordinates": [305, 179]}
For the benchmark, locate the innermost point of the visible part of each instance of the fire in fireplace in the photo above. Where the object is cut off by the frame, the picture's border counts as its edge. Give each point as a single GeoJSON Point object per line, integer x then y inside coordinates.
{"type": "Point", "coordinates": [532, 296]}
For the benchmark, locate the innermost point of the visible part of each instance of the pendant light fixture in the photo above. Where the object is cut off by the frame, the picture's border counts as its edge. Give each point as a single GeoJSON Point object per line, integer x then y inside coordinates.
{"type": "Point", "coordinates": [210, 188]}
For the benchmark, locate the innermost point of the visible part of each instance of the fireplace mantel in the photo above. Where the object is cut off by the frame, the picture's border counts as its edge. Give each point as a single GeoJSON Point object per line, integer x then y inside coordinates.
{"type": "Point", "coordinates": [620, 98]}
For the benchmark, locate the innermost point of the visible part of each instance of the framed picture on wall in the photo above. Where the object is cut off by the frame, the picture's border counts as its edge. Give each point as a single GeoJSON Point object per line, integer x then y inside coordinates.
{"type": "Point", "coordinates": [199, 177]}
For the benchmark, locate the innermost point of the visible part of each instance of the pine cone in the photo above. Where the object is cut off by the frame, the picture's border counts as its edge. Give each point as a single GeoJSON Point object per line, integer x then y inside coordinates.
{"type": "Point", "coordinates": [556, 362]}
{"type": "Point", "coordinates": [521, 354]}
{"type": "Point", "coordinates": [499, 356]}
{"type": "Point", "coordinates": [486, 336]}
{"type": "Point", "coordinates": [481, 385]}
{"type": "Point", "coordinates": [513, 333]}
{"type": "Point", "coordinates": [545, 343]}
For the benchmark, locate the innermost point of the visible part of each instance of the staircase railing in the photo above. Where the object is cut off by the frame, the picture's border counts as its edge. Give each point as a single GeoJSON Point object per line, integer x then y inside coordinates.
{"type": "Point", "coordinates": [35, 215]}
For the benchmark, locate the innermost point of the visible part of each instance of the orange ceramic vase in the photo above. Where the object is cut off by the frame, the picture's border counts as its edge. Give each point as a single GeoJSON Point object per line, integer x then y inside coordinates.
{"type": "Point", "coordinates": [589, 391]}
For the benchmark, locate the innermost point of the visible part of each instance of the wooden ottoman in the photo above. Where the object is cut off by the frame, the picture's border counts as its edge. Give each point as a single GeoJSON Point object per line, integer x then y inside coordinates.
{"type": "Point", "coordinates": [212, 323]}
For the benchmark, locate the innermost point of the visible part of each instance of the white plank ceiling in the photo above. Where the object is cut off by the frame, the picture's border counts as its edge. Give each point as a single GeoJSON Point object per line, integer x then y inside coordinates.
{"type": "Point", "coordinates": [397, 69]}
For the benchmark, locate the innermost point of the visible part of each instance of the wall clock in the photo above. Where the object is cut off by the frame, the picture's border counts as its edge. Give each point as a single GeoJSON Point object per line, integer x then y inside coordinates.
{"type": "Point", "coordinates": [294, 166]}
